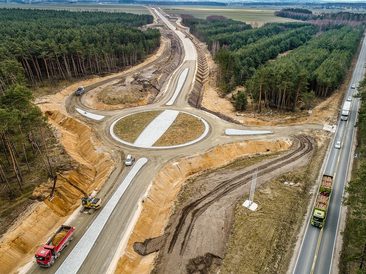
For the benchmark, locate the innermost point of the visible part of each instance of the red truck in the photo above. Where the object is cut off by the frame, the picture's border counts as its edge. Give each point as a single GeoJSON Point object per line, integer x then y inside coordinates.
{"type": "Point", "coordinates": [49, 252]}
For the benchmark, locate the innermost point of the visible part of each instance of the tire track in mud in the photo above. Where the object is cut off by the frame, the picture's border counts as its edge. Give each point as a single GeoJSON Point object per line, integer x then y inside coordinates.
{"type": "Point", "coordinates": [196, 208]}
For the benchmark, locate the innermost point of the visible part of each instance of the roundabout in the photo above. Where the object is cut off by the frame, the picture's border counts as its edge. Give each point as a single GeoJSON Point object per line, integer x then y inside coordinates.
{"type": "Point", "coordinates": [156, 129]}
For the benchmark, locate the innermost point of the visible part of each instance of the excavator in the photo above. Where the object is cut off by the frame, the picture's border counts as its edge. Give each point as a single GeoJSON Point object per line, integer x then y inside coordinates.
{"type": "Point", "coordinates": [90, 202]}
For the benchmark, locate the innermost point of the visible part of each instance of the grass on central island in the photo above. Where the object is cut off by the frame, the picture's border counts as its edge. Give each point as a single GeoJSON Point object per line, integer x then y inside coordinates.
{"type": "Point", "coordinates": [130, 127]}
{"type": "Point", "coordinates": [185, 128]}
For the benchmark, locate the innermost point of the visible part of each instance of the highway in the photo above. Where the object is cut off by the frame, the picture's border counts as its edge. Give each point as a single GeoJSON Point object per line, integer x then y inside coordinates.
{"type": "Point", "coordinates": [317, 249]}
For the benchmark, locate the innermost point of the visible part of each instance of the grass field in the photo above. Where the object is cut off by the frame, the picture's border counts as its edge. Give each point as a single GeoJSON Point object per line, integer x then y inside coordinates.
{"type": "Point", "coordinates": [255, 17]}
{"type": "Point", "coordinates": [185, 128]}
{"type": "Point", "coordinates": [82, 7]}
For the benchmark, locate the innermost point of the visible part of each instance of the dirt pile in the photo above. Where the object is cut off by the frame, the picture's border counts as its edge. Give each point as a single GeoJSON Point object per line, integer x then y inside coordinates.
{"type": "Point", "coordinates": [140, 84]}
{"type": "Point", "coordinates": [149, 245]}
{"type": "Point", "coordinates": [129, 92]}
{"type": "Point", "coordinates": [208, 263]}
{"type": "Point", "coordinates": [58, 237]}
{"type": "Point", "coordinates": [159, 204]}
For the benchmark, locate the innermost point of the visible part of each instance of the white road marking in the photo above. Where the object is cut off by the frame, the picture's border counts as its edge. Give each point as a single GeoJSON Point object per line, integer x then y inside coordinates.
{"type": "Point", "coordinates": [77, 256]}
{"type": "Point", "coordinates": [90, 115]}
{"type": "Point", "coordinates": [181, 80]}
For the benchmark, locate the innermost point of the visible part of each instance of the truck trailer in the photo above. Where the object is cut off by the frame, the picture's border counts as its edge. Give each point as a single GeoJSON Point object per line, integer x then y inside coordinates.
{"type": "Point", "coordinates": [345, 110]}
{"type": "Point", "coordinates": [49, 252]}
{"type": "Point", "coordinates": [322, 202]}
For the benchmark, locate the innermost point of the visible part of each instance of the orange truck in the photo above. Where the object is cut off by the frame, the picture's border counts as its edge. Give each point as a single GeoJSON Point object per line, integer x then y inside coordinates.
{"type": "Point", "coordinates": [47, 254]}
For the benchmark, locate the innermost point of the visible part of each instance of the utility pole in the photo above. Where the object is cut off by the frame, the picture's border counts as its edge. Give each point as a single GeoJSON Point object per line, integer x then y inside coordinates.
{"type": "Point", "coordinates": [249, 203]}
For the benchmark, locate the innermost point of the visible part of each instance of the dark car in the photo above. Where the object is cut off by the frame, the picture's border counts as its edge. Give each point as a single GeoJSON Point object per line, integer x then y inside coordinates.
{"type": "Point", "coordinates": [80, 91]}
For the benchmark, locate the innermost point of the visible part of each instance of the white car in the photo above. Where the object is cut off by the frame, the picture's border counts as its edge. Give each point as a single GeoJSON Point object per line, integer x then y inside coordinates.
{"type": "Point", "coordinates": [129, 160]}
{"type": "Point", "coordinates": [349, 98]}
{"type": "Point", "coordinates": [353, 86]}
{"type": "Point", "coordinates": [337, 145]}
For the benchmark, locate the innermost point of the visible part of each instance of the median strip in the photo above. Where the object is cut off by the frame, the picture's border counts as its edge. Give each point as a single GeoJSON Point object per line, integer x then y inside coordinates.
{"type": "Point", "coordinates": [181, 81]}
{"type": "Point", "coordinates": [156, 128]}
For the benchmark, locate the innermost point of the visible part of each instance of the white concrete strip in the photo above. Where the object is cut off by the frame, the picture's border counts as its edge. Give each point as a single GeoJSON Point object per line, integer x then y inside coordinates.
{"type": "Point", "coordinates": [156, 128]}
{"type": "Point", "coordinates": [90, 115]}
{"type": "Point", "coordinates": [77, 256]}
{"type": "Point", "coordinates": [131, 225]}
{"type": "Point", "coordinates": [239, 132]}
{"type": "Point", "coordinates": [181, 80]}
{"type": "Point", "coordinates": [189, 48]}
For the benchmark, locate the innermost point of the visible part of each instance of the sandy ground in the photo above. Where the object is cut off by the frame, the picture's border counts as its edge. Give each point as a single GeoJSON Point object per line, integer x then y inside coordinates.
{"type": "Point", "coordinates": [93, 164]}
{"type": "Point", "coordinates": [140, 84]}
{"type": "Point", "coordinates": [197, 244]}
{"type": "Point", "coordinates": [159, 204]}
{"type": "Point", "coordinates": [111, 95]}
{"type": "Point", "coordinates": [263, 241]}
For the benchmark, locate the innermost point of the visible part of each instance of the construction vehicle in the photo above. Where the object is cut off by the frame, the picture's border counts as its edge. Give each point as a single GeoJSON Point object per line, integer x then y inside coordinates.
{"type": "Point", "coordinates": [49, 252]}
{"type": "Point", "coordinates": [322, 202]}
{"type": "Point", "coordinates": [345, 110]}
{"type": "Point", "coordinates": [91, 202]}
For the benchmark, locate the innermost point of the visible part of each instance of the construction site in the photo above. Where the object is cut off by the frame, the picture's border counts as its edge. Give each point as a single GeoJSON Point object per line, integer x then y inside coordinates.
{"type": "Point", "coordinates": [181, 210]}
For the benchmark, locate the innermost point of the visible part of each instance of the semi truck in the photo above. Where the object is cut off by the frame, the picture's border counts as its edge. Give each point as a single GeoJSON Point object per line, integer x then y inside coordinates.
{"type": "Point", "coordinates": [322, 201]}
{"type": "Point", "coordinates": [49, 252]}
{"type": "Point", "coordinates": [345, 110]}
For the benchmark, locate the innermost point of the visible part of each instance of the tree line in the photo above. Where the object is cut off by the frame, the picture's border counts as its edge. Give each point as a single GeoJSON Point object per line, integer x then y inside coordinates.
{"type": "Point", "coordinates": [312, 70]}
{"type": "Point", "coordinates": [236, 67]}
{"type": "Point", "coordinates": [236, 40]}
{"type": "Point", "coordinates": [203, 29]}
{"type": "Point", "coordinates": [304, 14]}
{"type": "Point", "coordinates": [239, 49]}
{"type": "Point", "coordinates": [56, 45]}
{"type": "Point", "coordinates": [353, 255]}
{"type": "Point", "coordinates": [38, 46]}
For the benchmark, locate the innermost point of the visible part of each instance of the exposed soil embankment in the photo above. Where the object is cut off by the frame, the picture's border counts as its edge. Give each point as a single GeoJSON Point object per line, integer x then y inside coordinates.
{"type": "Point", "coordinates": [159, 204]}
{"type": "Point", "coordinates": [92, 166]}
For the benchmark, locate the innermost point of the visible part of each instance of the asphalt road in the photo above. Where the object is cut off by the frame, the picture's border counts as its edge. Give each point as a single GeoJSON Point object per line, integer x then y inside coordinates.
{"type": "Point", "coordinates": [317, 249]}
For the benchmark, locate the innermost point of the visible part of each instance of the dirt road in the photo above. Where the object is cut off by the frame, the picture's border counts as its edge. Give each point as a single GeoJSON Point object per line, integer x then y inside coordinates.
{"type": "Point", "coordinates": [200, 226]}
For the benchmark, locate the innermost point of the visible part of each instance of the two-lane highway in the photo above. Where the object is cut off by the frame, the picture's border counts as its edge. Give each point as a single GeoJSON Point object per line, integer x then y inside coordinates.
{"type": "Point", "coordinates": [317, 248]}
